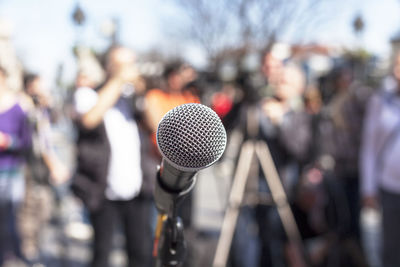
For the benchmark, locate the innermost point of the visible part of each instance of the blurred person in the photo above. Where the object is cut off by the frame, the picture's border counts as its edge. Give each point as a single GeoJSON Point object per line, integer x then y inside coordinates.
{"type": "Point", "coordinates": [160, 100]}
{"type": "Point", "coordinates": [272, 68]}
{"type": "Point", "coordinates": [380, 186]}
{"type": "Point", "coordinates": [283, 124]}
{"type": "Point", "coordinates": [228, 103]}
{"type": "Point", "coordinates": [234, 100]}
{"type": "Point", "coordinates": [333, 153]}
{"type": "Point", "coordinates": [222, 102]}
{"type": "Point", "coordinates": [341, 124]}
{"type": "Point", "coordinates": [78, 226]}
{"type": "Point", "coordinates": [286, 128]}
{"type": "Point", "coordinates": [188, 74]}
{"type": "Point", "coordinates": [328, 164]}
{"type": "Point", "coordinates": [43, 116]}
{"type": "Point", "coordinates": [83, 78]}
{"type": "Point", "coordinates": [109, 178]}
{"type": "Point", "coordinates": [45, 169]}
{"type": "Point", "coordinates": [336, 128]}
{"type": "Point", "coordinates": [312, 100]}
{"type": "Point", "coordinates": [15, 141]}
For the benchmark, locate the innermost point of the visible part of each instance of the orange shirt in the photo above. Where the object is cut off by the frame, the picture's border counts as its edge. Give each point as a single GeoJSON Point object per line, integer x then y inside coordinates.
{"type": "Point", "coordinates": [160, 102]}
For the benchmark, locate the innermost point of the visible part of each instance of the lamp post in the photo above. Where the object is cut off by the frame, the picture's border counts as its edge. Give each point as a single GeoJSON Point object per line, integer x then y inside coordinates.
{"type": "Point", "coordinates": [79, 18]}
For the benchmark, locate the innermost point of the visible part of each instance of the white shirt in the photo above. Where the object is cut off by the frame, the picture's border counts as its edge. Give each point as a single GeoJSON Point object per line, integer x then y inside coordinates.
{"type": "Point", "coordinates": [124, 179]}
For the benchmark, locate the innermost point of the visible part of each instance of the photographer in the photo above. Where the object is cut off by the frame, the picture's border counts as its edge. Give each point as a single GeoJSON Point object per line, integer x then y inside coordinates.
{"type": "Point", "coordinates": [109, 177]}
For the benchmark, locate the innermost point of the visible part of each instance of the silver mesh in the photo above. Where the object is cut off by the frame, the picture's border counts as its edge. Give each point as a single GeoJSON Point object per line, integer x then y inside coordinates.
{"type": "Point", "coordinates": [191, 137]}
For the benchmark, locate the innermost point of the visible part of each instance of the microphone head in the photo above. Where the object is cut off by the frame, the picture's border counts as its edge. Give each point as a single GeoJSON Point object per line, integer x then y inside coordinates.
{"type": "Point", "coordinates": [191, 137]}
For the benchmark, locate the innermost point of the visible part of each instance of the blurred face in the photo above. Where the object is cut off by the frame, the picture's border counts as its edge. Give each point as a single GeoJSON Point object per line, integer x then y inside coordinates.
{"type": "Point", "coordinates": [35, 87]}
{"type": "Point", "coordinates": [313, 100]}
{"type": "Point", "coordinates": [188, 74]}
{"type": "Point", "coordinates": [39, 92]}
{"type": "Point", "coordinates": [291, 83]}
{"type": "Point", "coordinates": [119, 58]}
{"type": "Point", "coordinates": [344, 80]}
{"type": "Point", "coordinates": [272, 68]}
{"type": "Point", "coordinates": [175, 82]}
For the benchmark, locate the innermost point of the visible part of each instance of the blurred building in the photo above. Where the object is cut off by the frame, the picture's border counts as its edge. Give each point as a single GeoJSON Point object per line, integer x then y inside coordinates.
{"type": "Point", "coordinates": [8, 57]}
{"type": "Point", "coordinates": [395, 43]}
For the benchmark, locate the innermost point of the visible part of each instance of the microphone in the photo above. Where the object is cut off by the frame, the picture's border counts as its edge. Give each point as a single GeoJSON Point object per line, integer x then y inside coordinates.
{"type": "Point", "coordinates": [190, 137]}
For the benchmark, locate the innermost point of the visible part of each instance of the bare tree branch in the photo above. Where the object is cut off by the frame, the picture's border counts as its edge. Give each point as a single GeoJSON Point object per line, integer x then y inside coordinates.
{"type": "Point", "coordinates": [225, 25]}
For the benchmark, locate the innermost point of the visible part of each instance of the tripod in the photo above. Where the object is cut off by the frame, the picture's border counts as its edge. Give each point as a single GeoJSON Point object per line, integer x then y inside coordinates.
{"type": "Point", "coordinates": [251, 149]}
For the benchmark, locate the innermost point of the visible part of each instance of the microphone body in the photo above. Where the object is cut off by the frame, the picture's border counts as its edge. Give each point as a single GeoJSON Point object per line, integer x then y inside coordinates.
{"type": "Point", "coordinates": [173, 179]}
{"type": "Point", "coordinates": [190, 137]}
{"type": "Point", "coordinates": [172, 185]}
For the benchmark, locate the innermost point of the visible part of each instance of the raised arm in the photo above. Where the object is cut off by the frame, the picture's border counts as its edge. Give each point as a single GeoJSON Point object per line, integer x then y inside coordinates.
{"type": "Point", "coordinates": [121, 70]}
{"type": "Point", "coordinates": [108, 95]}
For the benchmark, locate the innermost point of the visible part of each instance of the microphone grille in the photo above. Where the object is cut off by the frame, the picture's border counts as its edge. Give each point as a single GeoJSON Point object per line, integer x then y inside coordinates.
{"type": "Point", "coordinates": [191, 137]}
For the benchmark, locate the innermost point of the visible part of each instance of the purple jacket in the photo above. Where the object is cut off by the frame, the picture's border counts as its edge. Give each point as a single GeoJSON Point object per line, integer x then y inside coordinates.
{"type": "Point", "coordinates": [14, 122]}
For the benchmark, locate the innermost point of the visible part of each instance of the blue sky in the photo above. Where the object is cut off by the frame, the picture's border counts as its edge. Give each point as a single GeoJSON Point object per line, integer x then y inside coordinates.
{"type": "Point", "coordinates": [44, 32]}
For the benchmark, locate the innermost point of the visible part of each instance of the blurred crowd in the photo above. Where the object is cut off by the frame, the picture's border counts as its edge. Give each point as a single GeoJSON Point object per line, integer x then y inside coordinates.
{"type": "Point", "coordinates": [333, 140]}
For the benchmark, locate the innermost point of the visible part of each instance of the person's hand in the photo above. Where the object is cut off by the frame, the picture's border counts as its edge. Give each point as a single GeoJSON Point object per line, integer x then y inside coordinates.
{"type": "Point", "coordinates": [294, 255]}
{"type": "Point", "coordinates": [370, 201]}
{"type": "Point", "coordinates": [4, 141]}
{"type": "Point", "coordinates": [44, 99]}
{"type": "Point", "coordinates": [59, 173]}
{"type": "Point", "coordinates": [274, 110]}
{"type": "Point", "coordinates": [126, 74]}
{"type": "Point", "coordinates": [319, 252]}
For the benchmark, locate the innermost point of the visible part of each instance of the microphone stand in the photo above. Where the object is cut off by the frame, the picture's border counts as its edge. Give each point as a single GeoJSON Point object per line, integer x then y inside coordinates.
{"type": "Point", "coordinates": [169, 244]}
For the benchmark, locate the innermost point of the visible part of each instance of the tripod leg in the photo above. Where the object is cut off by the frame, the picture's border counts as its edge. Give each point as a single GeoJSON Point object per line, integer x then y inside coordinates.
{"type": "Point", "coordinates": [235, 199]}
{"type": "Point", "coordinates": [280, 199]}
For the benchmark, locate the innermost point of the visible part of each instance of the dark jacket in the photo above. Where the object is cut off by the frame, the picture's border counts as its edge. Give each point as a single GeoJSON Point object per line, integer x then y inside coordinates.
{"type": "Point", "coordinates": [93, 156]}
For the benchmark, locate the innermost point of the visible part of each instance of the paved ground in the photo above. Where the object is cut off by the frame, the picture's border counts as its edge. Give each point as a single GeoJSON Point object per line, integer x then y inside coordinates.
{"type": "Point", "coordinates": [66, 240]}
